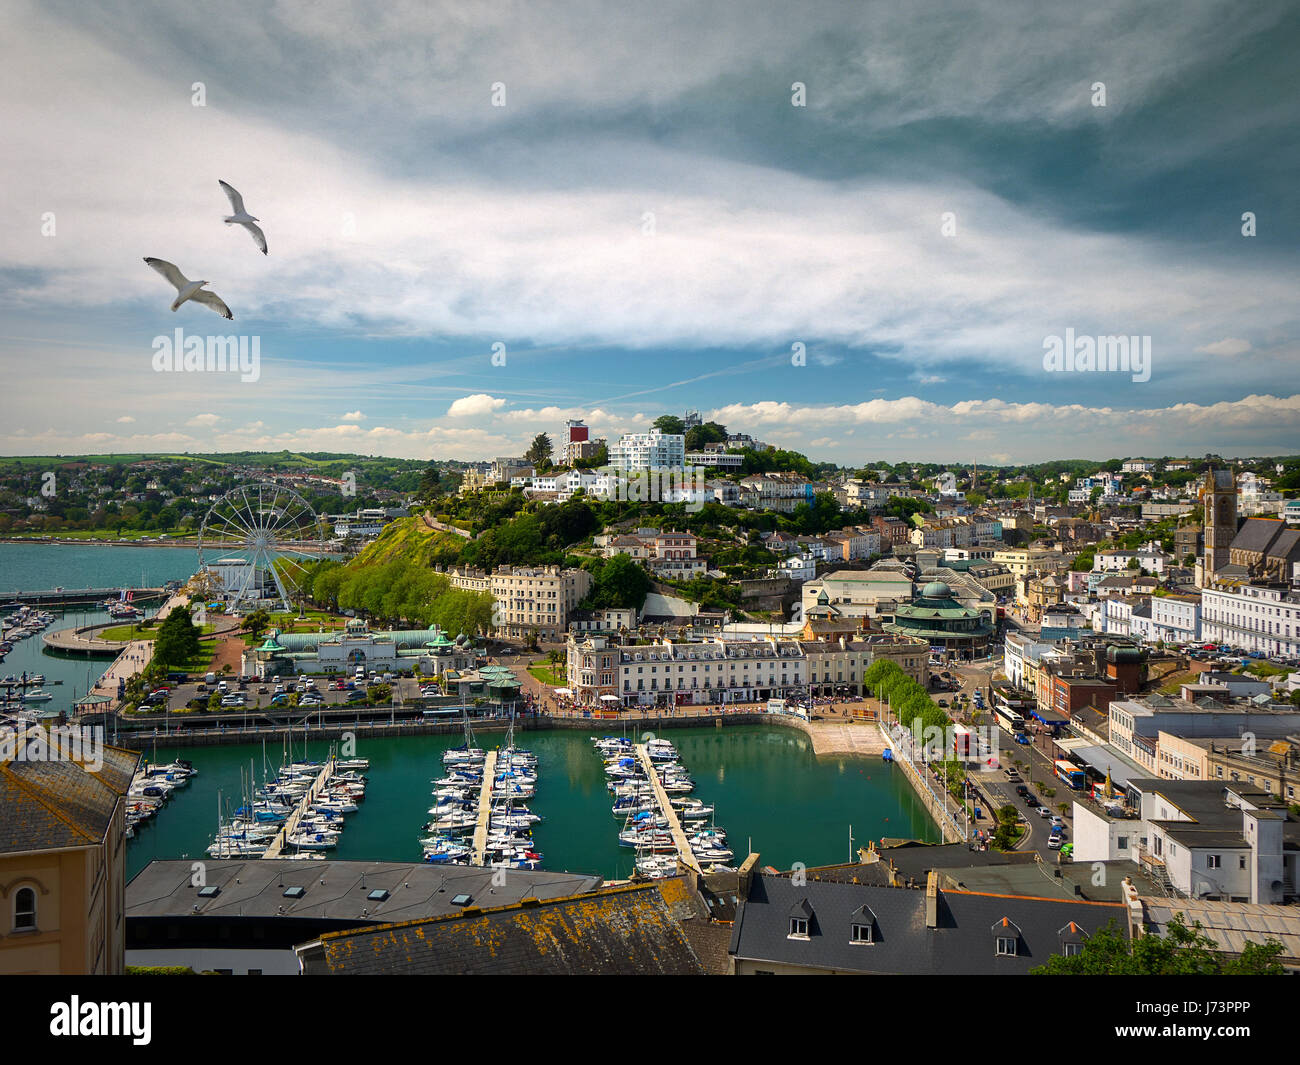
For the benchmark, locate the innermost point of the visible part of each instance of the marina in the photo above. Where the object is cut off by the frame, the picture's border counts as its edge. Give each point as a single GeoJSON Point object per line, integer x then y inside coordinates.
{"type": "Point", "coordinates": [779, 797]}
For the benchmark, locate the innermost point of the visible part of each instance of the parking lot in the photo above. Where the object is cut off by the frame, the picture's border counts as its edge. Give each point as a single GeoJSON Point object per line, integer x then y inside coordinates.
{"type": "Point", "coordinates": [251, 694]}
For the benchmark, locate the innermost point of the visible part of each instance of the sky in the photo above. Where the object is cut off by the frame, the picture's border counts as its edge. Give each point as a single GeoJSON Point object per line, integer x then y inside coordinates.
{"type": "Point", "coordinates": [850, 229]}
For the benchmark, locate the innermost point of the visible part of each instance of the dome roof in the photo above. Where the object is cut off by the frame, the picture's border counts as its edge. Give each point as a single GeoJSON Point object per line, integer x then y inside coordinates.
{"type": "Point", "coordinates": [936, 590]}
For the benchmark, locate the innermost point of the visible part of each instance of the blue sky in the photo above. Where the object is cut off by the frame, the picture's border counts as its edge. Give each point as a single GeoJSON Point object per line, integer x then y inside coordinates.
{"type": "Point", "coordinates": [648, 225]}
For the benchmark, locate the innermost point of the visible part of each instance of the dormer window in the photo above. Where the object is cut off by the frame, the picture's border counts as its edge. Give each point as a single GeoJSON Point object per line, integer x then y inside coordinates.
{"type": "Point", "coordinates": [1006, 938]}
{"type": "Point", "coordinates": [800, 920]}
{"type": "Point", "coordinates": [1072, 938]}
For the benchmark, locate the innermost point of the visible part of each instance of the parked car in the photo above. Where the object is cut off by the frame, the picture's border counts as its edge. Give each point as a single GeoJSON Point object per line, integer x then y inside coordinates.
{"type": "Point", "coordinates": [1054, 843]}
{"type": "Point", "coordinates": [355, 696]}
{"type": "Point", "coordinates": [1031, 800]}
{"type": "Point", "coordinates": [1043, 811]}
{"type": "Point", "coordinates": [1022, 790]}
{"type": "Point", "coordinates": [1058, 821]}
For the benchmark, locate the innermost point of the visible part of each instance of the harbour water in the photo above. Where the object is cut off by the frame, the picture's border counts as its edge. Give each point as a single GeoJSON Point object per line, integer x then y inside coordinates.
{"type": "Point", "coordinates": [35, 567]}
{"type": "Point", "coordinates": [771, 791]}
{"type": "Point", "coordinates": [768, 786]}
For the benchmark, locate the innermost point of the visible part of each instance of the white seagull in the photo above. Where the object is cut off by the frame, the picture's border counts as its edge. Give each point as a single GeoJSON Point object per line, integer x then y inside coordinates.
{"type": "Point", "coordinates": [242, 217]}
{"type": "Point", "coordinates": [189, 290]}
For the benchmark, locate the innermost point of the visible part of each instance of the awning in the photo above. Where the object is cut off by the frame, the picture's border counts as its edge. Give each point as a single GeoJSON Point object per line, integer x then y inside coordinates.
{"type": "Point", "coordinates": [1042, 716]}
{"type": "Point", "coordinates": [1072, 743]}
{"type": "Point", "coordinates": [563, 691]}
{"type": "Point", "coordinates": [609, 698]}
{"type": "Point", "coordinates": [1121, 770]}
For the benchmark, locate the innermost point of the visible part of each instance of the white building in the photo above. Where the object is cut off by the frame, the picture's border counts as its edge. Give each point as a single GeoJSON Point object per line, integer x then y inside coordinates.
{"type": "Point", "coordinates": [1253, 617]}
{"type": "Point", "coordinates": [652, 450]}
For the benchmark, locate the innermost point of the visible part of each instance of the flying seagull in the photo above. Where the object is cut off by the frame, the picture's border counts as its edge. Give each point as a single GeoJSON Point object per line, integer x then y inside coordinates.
{"type": "Point", "coordinates": [189, 290]}
{"type": "Point", "coordinates": [242, 217]}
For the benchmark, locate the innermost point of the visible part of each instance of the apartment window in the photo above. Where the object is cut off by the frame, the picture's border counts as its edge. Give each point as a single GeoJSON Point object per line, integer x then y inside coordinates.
{"type": "Point", "coordinates": [1213, 861]}
{"type": "Point", "coordinates": [1006, 946]}
{"type": "Point", "coordinates": [1241, 861]}
{"type": "Point", "coordinates": [25, 910]}
{"type": "Point", "coordinates": [861, 934]}
{"type": "Point", "coordinates": [799, 927]}
{"type": "Point", "coordinates": [1071, 950]}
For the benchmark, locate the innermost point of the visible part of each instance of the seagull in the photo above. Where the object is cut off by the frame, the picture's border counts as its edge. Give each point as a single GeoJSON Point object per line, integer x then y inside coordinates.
{"type": "Point", "coordinates": [189, 290]}
{"type": "Point", "coordinates": [242, 217]}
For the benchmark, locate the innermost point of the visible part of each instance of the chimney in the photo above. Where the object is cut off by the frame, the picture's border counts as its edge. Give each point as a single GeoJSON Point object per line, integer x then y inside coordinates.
{"type": "Point", "coordinates": [932, 899]}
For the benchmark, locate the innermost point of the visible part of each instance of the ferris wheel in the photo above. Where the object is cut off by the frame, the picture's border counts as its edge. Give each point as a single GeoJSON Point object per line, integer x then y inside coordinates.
{"type": "Point", "coordinates": [259, 533]}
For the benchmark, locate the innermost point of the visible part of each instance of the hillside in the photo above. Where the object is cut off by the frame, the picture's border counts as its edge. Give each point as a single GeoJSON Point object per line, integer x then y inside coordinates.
{"type": "Point", "coordinates": [407, 540]}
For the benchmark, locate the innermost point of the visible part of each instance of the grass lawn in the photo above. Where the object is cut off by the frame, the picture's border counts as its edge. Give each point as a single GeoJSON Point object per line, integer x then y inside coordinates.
{"type": "Point", "coordinates": [554, 677]}
{"type": "Point", "coordinates": [125, 633]}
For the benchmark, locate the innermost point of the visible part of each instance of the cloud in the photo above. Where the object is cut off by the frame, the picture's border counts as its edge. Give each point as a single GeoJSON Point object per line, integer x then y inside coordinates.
{"type": "Point", "coordinates": [126, 419]}
{"type": "Point", "coordinates": [1227, 346]}
{"type": "Point", "coordinates": [354, 416]}
{"type": "Point", "coordinates": [203, 420]}
{"type": "Point", "coordinates": [473, 406]}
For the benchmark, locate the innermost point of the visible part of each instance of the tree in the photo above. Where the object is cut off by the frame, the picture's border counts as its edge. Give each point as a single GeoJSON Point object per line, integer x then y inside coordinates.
{"type": "Point", "coordinates": [257, 622]}
{"type": "Point", "coordinates": [1181, 951]}
{"type": "Point", "coordinates": [539, 451]}
{"type": "Point", "coordinates": [619, 582]}
{"type": "Point", "coordinates": [177, 641]}
{"type": "Point", "coordinates": [670, 425]}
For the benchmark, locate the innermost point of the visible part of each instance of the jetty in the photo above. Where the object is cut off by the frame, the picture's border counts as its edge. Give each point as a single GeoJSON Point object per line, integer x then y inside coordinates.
{"type": "Point", "coordinates": [78, 596]}
{"type": "Point", "coordinates": [479, 849]}
{"type": "Point", "coordinates": [685, 855]}
{"type": "Point", "coordinates": [291, 822]}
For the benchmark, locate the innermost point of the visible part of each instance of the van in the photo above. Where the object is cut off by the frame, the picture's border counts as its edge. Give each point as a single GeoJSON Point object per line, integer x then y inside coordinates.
{"type": "Point", "coordinates": [223, 687]}
{"type": "Point", "coordinates": [360, 674]}
{"type": "Point", "coordinates": [211, 678]}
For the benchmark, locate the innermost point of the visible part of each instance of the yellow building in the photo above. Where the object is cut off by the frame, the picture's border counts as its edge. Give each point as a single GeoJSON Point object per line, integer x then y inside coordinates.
{"type": "Point", "coordinates": [62, 857]}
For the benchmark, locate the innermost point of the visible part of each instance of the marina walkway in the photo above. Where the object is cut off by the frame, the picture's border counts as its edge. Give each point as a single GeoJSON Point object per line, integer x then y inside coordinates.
{"type": "Point", "coordinates": [291, 824]}
{"type": "Point", "coordinates": [684, 853]}
{"type": "Point", "coordinates": [135, 655]}
{"type": "Point", "coordinates": [479, 849]}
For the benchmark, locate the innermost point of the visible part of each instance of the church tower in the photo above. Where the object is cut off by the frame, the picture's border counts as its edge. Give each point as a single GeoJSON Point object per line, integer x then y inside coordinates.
{"type": "Point", "coordinates": [1219, 497]}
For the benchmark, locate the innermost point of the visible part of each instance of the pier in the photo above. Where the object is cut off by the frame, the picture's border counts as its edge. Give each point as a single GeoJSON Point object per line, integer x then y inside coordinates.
{"type": "Point", "coordinates": [78, 596]}
{"type": "Point", "coordinates": [479, 849]}
{"type": "Point", "coordinates": [291, 823]}
{"type": "Point", "coordinates": [685, 856]}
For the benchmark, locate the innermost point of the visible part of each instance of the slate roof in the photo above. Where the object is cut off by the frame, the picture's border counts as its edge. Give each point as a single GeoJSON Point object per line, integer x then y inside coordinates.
{"type": "Point", "coordinates": [53, 803]}
{"type": "Point", "coordinates": [963, 941]}
{"type": "Point", "coordinates": [336, 890]}
{"type": "Point", "coordinates": [1257, 534]}
{"type": "Point", "coordinates": [628, 930]}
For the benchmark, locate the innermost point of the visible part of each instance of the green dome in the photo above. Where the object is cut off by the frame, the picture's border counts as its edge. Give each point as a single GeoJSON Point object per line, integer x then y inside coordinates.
{"type": "Point", "coordinates": [936, 590]}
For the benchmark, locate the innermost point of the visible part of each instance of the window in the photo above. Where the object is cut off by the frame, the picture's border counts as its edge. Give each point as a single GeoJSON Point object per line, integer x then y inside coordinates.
{"type": "Point", "coordinates": [861, 934]}
{"type": "Point", "coordinates": [25, 910]}
{"type": "Point", "coordinates": [799, 927]}
{"type": "Point", "coordinates": [1212, 861]}
{"type": "Point", "coordinates": [1071, 950]}
{"type": "Point", "coordinates": [1006, 946]}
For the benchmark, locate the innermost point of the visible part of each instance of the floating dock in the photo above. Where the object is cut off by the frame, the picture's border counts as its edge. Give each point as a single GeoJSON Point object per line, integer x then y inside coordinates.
{"type": "Point", "coordinates": [479, 849]}
{"type": "Point", "coordinates": [291, 823]}
{"type": "Point", "coordinates": [684, 853]}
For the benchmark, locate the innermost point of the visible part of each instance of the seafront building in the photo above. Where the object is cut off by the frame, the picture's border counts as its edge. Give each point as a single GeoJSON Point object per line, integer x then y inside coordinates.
{"type": "Point", "coordinates": [718, 671]}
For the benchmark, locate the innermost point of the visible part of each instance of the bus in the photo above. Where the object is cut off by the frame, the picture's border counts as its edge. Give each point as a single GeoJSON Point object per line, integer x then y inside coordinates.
{"type": "Point", "coordinates": [1070, 774]}
{"type": "Point", "coordinates": [1009, 720]}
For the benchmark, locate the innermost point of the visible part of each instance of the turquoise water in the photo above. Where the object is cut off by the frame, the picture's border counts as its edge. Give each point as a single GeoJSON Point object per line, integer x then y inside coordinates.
{"type": "Point", "coordinates": [768, 786]}
{"type": "Point", "coordinates": [35, 567]}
